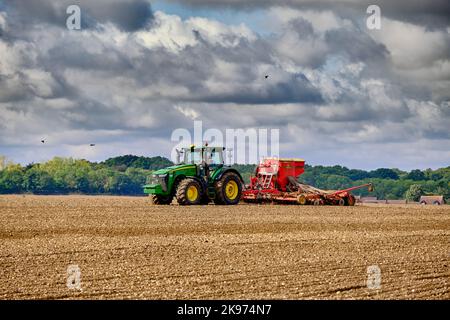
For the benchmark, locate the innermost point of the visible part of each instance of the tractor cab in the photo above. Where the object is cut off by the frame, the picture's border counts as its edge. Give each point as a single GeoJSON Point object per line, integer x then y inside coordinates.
{"type": "Point", "coordinates": [199, 177]}
{"type": "Point", "coordinates": [207, 159]}
{"type": "Point", "coordinates": [212, 156]}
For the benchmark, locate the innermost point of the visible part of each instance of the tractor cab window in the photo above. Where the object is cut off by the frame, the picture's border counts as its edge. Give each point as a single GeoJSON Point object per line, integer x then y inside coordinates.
{"type": "Point", "coordinates": [214, 157]}
{"type": "Point", "coordinates": [194, 157]}
{"type": "Point", "coordinates": [211, 156]}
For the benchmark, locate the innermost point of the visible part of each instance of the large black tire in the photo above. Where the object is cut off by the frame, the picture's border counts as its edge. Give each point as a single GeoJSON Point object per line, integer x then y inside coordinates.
{"type": "Point", "coordinates": [228, 189]}
{"type": "Point", "coordinates": [161, 200]}
{"type": "Point", "coordinates": [186, 194]}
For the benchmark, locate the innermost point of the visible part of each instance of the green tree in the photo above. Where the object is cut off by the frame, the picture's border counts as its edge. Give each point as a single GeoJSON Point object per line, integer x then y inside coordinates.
{"type": "Point", "coordinates": [99, 180]}
{"type": "Point", "coordinates": [123, 185]}
{"type": "Point", "coordinates": [4, 162]}
{"type": "Point", "coordinates": [414, 192]}
{"type": "Point", "coordinates": [138, 177]}
{"type": "Point", "coordinates": [357, 174]}
{"type": "Point", "coordinates": [432, 175]}
{"type": "Point", "coordinates": [335, 182]}
{"type": "Point", "coordinates": [416, 175]}
{"type": "Point", "coordinates": [39, 181]}
{"type": "Point", "coordinates": [153, 163]}
{"type": "Point", "coordinates": [11, 179]}
{"type": "Point", "coordinates": [246, 171]}
{"type": "Point", "coordinates": [68, 174]}
{"type": "Point", "coordinates": [384, 173]}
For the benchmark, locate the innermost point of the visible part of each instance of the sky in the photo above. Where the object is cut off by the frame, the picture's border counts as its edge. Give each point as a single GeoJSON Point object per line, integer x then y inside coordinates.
{"type": "Point", "coordinates": [338, 92]}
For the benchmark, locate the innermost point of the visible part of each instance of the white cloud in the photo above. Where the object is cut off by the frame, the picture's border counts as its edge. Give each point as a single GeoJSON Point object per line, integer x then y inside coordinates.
{"type": "Point", "coordinates": [175, 34]}
{"type": "Point", "coordinates": [321, 21]}
{"type": "Point", "coordinates": [413, 46]}
{"type": "Point", "coordinates": [3, 21]}
{"type": "Point", "coordinates": [11, 57]}
{"type": "Point", "coordinates": [303, 52]}
{"type": "Point", "coordinates": [220, 34]}
{"type": "Point", "coordinates": [187, 112]}
{"type": "Point", "coordinates": [41, 82]}
{"type": "Point", "coordinates": [169, 32]}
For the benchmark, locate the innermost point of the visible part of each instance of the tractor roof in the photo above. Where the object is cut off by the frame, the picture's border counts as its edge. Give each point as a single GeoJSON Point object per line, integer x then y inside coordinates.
{"type": "Point", "coordinates": [206, 148]}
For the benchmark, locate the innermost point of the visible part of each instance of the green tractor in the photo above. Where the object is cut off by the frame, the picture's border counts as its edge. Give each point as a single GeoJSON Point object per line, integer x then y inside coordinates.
{"type": "Point", "coordinates": [201, 177]}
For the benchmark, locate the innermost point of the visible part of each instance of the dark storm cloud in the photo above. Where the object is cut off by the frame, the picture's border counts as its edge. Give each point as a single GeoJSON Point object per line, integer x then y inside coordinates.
{"type": "Point", "coordinates": [70, 54]}
{"type": "Point", "coordinates": [188, 68]}
{"type": "Point", "coordinates": [196, 64]}
{"type": "Point", "coordinates": [432, 13]}
{"type": "Point", "coordinates": [95, 114]}
{"type": "Point", "coordinates": [127, 14]}
{"type": "Point", "coordinates": [296, 89]}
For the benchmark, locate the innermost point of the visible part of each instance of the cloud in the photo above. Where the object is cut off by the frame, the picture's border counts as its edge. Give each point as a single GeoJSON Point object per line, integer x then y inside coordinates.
{"type": "Point", "coordinates": [421, 48]}
{"type": "Point", "coordinates": [331, 84]}
{"type": "Point", "coordinates": [128, 15]}
{"type": "Point", "coordinates": [3, 24]}
{"type": "Point", "coordinates": [432, 13]}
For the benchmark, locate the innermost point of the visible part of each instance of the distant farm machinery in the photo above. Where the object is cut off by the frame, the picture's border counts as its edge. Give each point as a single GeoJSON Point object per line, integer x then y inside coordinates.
{"type": "Point", "coordinates": [202, 177]}
{"type": "Point", "coordinates": [275, 180]}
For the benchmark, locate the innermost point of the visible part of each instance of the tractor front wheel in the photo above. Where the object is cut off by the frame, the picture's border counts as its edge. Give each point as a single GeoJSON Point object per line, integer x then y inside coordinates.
{"type": "Point", "coordinates": [228, 189]}
{"type": "Point", "coordinates": [189, 192]}
{"type": "Point", "coordinates": [164, 200]}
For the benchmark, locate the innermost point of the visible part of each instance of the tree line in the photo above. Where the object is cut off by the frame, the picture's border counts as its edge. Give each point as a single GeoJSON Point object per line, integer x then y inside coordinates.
{"type": "Point", "coordinates": [125, 175]}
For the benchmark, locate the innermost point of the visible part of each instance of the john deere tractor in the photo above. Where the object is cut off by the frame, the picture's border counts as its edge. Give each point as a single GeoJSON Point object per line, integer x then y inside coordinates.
{"type": "Point", "coordinates": [199, 178]}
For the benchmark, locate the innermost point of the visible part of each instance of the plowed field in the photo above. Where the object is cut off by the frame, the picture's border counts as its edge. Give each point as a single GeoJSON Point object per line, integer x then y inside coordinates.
{"type": "Point", "coordinates": [127, 248]}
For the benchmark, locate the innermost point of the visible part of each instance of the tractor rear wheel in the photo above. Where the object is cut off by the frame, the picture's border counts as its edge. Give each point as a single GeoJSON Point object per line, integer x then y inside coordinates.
{"type": "Point", "coordinates": [228, 189]}
{"type": "Point", "coordinates": [161, 200]}
{"type": "Point", "coordinates": [189, 192]}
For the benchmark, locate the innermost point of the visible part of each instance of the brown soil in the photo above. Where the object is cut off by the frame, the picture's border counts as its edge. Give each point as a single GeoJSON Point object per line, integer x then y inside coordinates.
{"type": "Point", "coordinates": [127, 248]}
